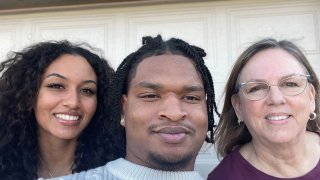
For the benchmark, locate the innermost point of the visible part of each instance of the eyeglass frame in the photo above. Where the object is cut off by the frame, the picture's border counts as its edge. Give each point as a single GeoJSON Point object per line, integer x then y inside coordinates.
{"type": "Point", "coordinates": [238, 86]}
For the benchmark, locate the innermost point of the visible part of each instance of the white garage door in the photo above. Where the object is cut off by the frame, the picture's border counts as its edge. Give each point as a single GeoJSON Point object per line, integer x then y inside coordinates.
{"type": "Point", "coordinates": [222, 28]}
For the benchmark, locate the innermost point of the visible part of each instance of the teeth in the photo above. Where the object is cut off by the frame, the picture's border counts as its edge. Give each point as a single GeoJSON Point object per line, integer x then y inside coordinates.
{"type": "Point", "coordinates": [277, 118]}
{"type": "Point", "coordinates": [67, 117]}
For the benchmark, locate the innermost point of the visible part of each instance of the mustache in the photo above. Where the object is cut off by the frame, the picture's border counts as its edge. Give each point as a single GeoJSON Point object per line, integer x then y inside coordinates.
{"type": "Point", "coordinates": [171, 128]}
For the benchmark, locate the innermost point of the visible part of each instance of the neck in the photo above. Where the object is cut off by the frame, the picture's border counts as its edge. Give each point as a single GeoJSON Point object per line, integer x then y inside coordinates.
{"type": "Point", "coordinates": [56, 157]}
{"type": "Point", "coordinates": [49, 171]}
{"type": "Point", "coordinates": [185, 163]}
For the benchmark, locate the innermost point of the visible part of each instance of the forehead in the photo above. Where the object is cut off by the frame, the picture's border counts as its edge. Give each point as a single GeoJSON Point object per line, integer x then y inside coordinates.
{"type": "Point", "coordinates": [271, 63]}
{"type": "Point", "coordinates": [70, 64]}
{"type": "Point", "coordinates": [167, 66]}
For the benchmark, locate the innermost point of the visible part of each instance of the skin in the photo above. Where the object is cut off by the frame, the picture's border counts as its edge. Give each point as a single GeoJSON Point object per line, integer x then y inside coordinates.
{"type": "Point", "coordinates": [282, 148]}
{"type": "Point", "coordinates": [68, 90]}
{"type": "Point", "coordinates": [165, 114]}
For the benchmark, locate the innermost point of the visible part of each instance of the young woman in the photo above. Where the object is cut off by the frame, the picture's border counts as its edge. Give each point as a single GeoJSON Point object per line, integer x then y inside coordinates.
{"type": "Point", "coordinates": [53, 104]}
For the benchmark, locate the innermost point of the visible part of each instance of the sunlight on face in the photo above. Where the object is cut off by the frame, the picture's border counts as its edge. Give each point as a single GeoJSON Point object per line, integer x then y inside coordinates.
{"type": "Point", "coordinates": [67, 99]}
{"type": "Point", "coordinates": [165, 113]}
{"type": "Point", "coordinates": [276, 118]}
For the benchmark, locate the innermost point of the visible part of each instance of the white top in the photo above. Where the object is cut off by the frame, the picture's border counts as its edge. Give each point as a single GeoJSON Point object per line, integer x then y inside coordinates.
{"type": "Point", "coordinates": [122, 169]}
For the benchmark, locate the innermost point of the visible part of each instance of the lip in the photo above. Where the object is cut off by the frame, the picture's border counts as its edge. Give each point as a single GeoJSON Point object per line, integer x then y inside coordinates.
{"type": "Point", "coordinates": [74, 118]}
{"type": "Point", "coordinates": [172, 134]}
{"type": "Point", "coordinates": [278, 118]}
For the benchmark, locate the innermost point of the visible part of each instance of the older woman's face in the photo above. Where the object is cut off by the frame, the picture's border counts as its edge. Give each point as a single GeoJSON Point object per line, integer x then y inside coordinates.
{"type": "Point", "coordinates": [276, 118]}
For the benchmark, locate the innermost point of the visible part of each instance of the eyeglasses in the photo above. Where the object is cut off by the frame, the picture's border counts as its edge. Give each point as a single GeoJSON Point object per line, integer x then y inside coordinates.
{"type": "Point", "coordinates": [289, 86]}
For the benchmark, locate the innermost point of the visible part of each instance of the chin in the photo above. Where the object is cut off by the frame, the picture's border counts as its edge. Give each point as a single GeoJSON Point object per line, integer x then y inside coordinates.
{"type": "Point", "coordinates": [173, 162]}
{"type": "Point", "coordinates": [67, 136]}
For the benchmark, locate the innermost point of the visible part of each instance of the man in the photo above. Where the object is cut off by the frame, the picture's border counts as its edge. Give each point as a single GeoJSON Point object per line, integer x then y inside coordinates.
{"type": "Point", "coordinates": [164, 95]}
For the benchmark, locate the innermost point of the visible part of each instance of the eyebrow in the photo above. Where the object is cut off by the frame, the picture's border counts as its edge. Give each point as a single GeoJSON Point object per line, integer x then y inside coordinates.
{"type": "Point", "coordinates": [63, 77]}
{"type": "Point", "coordinates": [263, 80]}
{"type": "Point", "coordinates": [148, 85]}
{"type": "Point", "coordinates": [193, 88]}
{"type": "Point", "coordinates": [56, 75]}
{"type": "Point", "coordinates": [156, 86]}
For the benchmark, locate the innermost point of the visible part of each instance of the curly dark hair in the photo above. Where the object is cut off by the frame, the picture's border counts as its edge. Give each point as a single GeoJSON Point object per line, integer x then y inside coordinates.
{"type": "Point", "coordinates": [19, 86]}
{"type": "Point", "coordinates": [155, 47]}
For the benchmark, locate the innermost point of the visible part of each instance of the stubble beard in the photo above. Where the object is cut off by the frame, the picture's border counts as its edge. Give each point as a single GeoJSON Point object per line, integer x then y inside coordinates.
{"type": "Point", "coordinates": [165, 163]}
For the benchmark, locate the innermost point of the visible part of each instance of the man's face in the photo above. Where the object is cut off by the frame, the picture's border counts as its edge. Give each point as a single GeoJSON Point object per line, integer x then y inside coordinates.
{"type": "Point", "coordinates": [165, 113]}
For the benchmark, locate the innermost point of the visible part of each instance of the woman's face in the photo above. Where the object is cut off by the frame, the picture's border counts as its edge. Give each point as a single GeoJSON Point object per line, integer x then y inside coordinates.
{"type": "Point", "coordinates": [67, 98]}
{"type": "Point", "coordinates": [276, 118]}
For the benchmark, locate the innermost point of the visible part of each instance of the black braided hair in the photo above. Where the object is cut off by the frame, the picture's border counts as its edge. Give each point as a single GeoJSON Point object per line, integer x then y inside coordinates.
{"type": "Point", "coordinates": [154, 47]}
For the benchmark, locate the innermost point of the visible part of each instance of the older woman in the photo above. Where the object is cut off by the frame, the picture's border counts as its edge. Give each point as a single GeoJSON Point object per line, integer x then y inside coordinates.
{"type": "Point", "coordinates": [269, 128]}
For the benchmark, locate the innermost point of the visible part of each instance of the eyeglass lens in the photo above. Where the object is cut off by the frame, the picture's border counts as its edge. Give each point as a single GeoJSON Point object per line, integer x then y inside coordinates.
{"type": "Point", "coordinates": [289, 86]}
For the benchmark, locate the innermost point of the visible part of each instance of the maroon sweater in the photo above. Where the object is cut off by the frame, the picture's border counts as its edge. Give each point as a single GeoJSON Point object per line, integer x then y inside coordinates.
{"type": "Point", "coordinates": [235, 167]}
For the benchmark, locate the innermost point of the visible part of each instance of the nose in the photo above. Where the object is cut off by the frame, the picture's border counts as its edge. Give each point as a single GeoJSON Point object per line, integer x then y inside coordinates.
{"type": "Point", "coordinates": [172, 109]}
{"type": "Point", "coordinates": [71, 99]}
{"type": "Point", "coordinates": [275, 96]}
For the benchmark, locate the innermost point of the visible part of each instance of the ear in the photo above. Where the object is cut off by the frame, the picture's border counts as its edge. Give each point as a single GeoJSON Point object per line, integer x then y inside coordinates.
{"type": "Point", "coordinates": [235, 100]}
{"type": "Point", "coordinates": [312, 96]}
{"type": "Point", "coordinates": [124, 104]}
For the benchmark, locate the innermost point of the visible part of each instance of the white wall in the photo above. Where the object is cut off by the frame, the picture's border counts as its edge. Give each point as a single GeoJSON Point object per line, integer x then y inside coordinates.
{"type": "Point", "coordinates": [222, 28]}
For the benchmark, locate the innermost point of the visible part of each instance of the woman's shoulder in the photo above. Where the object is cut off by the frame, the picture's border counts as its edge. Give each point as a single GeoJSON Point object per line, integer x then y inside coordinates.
{"type": "Point", "coordinates": [230, 163]}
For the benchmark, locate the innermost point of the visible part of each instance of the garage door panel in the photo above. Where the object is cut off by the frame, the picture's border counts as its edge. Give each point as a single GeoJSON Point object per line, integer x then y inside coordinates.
{"type": "Point", "coordinates": [196, 29]}
{"type": "Point", "coordinates": [96, 31]}
{"type": "Point", "coordinates": [11, 38]}
{"type": "Point", "coordinates": [299, 25]}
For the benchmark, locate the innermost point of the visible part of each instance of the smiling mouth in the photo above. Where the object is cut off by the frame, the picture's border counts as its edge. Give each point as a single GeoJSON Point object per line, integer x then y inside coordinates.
{"type": "Point", "coordinates": [277, 118]}
{"type": "Point", "coordinates": [67, 117]}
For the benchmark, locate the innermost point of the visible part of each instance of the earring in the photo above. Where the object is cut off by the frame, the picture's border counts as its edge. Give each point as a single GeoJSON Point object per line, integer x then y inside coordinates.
{"type": "Point", "coordinates": [312, 116]}
{"type": "Point", "coordinates": [122, 122]}
{"type": "Point", "coordinates": [240, 122]}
